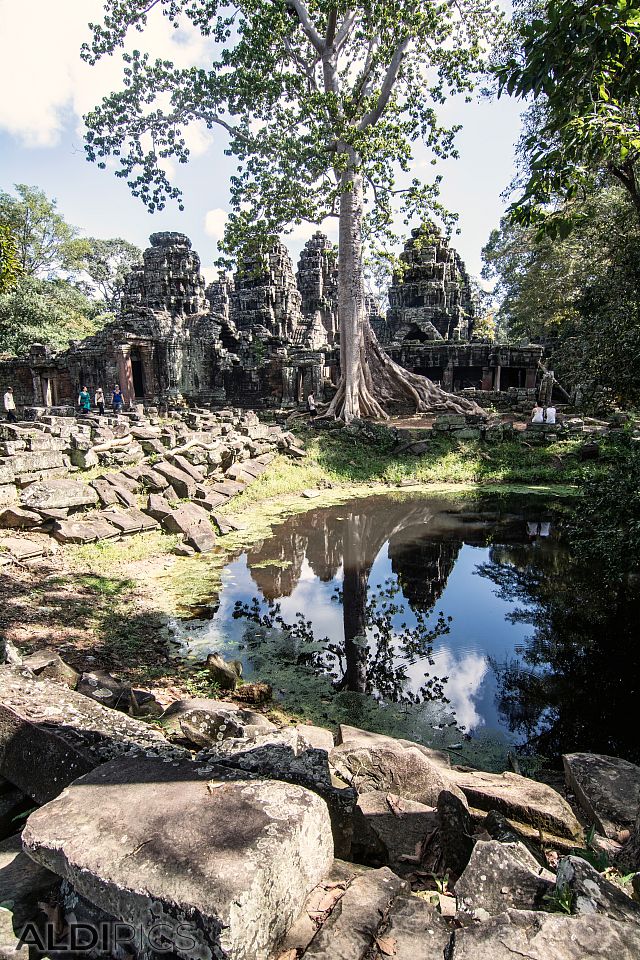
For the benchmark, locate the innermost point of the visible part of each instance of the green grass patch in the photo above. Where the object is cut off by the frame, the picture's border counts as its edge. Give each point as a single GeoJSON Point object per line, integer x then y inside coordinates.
{"type": "Point", "coordinates": [109, 556]}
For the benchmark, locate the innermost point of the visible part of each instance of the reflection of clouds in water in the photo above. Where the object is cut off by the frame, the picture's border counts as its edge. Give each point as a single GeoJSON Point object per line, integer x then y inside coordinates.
{"type": "Point", "coordinates": [466, 675]}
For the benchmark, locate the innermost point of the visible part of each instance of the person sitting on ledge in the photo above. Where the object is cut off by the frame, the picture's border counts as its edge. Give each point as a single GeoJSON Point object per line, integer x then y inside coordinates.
{"type": "Point", "coordinates": [537, 415]}
{"type": "Point", "coordinates": [550, 415]}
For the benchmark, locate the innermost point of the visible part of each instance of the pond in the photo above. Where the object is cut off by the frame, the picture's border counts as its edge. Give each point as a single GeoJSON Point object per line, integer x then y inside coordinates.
{"type": "Point", "coordinates": [461, 622]}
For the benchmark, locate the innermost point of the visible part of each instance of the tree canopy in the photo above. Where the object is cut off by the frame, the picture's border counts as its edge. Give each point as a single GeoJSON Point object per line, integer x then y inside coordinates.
{"type": "Point", "coordinates": [320, 103]}
{"type": "Point", "coordinates": [107, 263]}
{"type": "Point", "coordinates": [46, 244]}
{"type": "Point", "coordinates": [299, 91]}
{"type": "Point", "coordinates": [10, 267]}
{"type": "Point", "coordinates": [578, 295]}
{"type": "Point", "coordinates": [55, 285]}
{"type": "Point", "coordinates": [580, 62]}
{"type": "Point", "coordinates": [52, 312]}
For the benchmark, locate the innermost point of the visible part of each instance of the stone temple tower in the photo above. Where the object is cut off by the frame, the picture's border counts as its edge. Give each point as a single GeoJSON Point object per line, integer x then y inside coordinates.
{"type": "Point", "coordinates": [168, 279]}
{"type": "Point", "coordinates": [431, 299]}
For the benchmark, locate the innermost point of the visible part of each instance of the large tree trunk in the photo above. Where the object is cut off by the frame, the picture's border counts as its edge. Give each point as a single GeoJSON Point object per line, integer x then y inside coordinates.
{"type": "Point", "coordinates": [368, 376]}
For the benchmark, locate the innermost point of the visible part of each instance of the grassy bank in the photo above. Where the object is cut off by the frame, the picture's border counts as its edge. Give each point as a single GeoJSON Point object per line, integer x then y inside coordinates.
{"type": "Point", "coordinates": [341, 461]}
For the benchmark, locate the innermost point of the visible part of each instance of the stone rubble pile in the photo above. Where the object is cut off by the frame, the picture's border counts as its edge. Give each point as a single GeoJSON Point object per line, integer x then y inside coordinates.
{"type": "Point", "coordinates": [246, 841]}
{"type": "Point", "coordinates": [171, 474]}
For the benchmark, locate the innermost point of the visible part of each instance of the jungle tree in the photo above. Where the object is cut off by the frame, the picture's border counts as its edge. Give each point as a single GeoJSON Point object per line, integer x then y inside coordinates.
{"type": "Point", "coordinates": [320, 102]}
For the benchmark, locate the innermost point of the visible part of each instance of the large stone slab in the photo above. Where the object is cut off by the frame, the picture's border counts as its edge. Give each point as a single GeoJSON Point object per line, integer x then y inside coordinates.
{"type": "Point", "coordinates": [231, 859]}
{"type": "Point", "coordinates": [49, 735]}
{"type": "Point", "coordinates": [84, 531]}
{"type": "Point", "coordinates": [527, 935]}
{"type": "Point", "coordinates": [519, 798]}
{"type": "Point", "coordinates": [183, 484]}
{"type": "Point", "coordinates": [607, 789]}
{"type": "Point", "coordinates": [286, 755]}
{"type": "Point", "coordinates": [501, 875]}
{"type": "Point", "coordinates": [16, 518]}
{"type": "Point", "coordinates": [593, 893]}
{"type": "Point", "coordinates": [351, 929]}
{"type": "Point", "coordinates": [55, 494]}
{"type": "Point", "coordinates": [391, 766]}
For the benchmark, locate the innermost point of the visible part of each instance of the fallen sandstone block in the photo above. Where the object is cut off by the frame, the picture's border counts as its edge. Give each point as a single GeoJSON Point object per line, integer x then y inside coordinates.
{"type": "Point", "coordinates": [50, 735]}
{"type": "Point", "coordinates": [228, 858]}
{"type": "Point", "coordinates": [56, 494]}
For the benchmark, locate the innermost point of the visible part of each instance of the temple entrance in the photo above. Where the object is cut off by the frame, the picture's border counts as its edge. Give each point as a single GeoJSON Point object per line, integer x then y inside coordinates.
{"type": "Point", "coordinates": [137, 374]}
{"type": "Point", "coordinates": [512, 377]}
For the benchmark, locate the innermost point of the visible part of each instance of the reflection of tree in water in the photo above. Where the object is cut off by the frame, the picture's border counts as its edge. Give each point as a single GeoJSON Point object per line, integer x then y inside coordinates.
{"type": "Point", "coordinates": [424, 538]}
{"type": "Point", "coordinates": [577, 686]}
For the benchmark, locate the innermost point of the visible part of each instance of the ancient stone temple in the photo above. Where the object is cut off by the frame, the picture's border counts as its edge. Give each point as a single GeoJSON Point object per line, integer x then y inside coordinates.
{"type": "Point", "coordinates": [431, 298]}
{"type": "Point", "coordinates": [429, 324]}
{"type": "Point", "coordinates": [268, 335]}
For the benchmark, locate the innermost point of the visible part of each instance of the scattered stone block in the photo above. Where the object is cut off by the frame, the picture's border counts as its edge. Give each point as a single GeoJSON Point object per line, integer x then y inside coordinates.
{"type": "Point", "coordinates": [394, 768]}
{"type": "Point", "coordinates": [187, 467]}
{"type": "Point", "coordinates": [228, 488]}
{"type": "Point", "coordinates": [232, 857]}
{"type": "Point", "coordinates": [311, 494]}
{"type": "Point", "coordinates": [501, 875]}
{"type": "Point", "coordinates": [416, 931]}
{"type": "Point", "coordinates": [8, 494]}
{"type": "Point", "coordinates": [387, 830]}
{"type": "Point", "coordinates": [207, 722]}
{"type": "Point", "coordinates": [607, 789]}
{"type": "Point", "coordinates": [84, 531]}
{"type": "Point", "coordinates": [519, 799]}
{"type": "Point", "coordinates": [593, 893]}
{"type": "Point", "coordinates": [455, 832]}
{"type": "Point", "coordinates": [49, 665]}
{"type": "Point", "coordinates": [183, 484]}
{"type": "Point", "coordinates": [351, 929]}
{"type": "Point", "coordinates": [545, 936]}
{"type": "Point", "coordinates": [50, 735]}
{"type": "Point", "coordinates": [107, 494]}
{"type": "Point", "coordinates": [22, 548]}
{"type": "Point", "coordinates": [55, 494]}
{"type": "Point", "coordinates": [23, 883]}
{"type": "Point", "coordinates": [18, 519]}
{"type": "Point", "coordinates": [226, 525]}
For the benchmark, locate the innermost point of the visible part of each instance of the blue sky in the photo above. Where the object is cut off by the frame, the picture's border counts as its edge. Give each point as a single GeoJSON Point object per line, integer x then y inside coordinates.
{"type": "Point", "coordinates": [47, 88]}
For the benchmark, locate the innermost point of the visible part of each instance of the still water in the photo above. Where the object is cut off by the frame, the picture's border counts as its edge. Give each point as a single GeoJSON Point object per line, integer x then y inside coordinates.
{"type": "Point", "coordinates": [452, 621]}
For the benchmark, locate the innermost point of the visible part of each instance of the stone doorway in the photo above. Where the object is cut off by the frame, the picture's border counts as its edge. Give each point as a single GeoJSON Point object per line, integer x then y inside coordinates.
{"type": "Point", "coordinates": [137, 374]}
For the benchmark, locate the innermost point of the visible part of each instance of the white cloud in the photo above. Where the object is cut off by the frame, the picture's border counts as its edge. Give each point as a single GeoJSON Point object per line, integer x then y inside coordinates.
{"type": "Point", "coordinates": [214, 223]}
{"type": "Point", "coordinates": [41, 67]}
{"type": "Point", "coordinates": [466, 676]}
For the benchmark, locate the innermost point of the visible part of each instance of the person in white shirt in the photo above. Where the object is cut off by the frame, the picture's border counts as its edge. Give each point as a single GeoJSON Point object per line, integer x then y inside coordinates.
{"type": "Point", "coordinates": [311, 405]}
{"type": "Point", "coordinates": [537, 415]}
{"type": "Point", "coordinates": [10, 405]}
{"type": "Point", "coordinates": [550, 415]}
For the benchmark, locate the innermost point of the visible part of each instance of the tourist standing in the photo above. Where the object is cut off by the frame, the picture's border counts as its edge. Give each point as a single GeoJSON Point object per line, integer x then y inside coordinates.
{"type": "Point", "coordinates": [10, 405]}
{"type": "Point", "coordinates": [311, 405]}
{"type": "Point", "coordinates": [84, 401]}
{"type": "Point", "coordinates": [100, 401]}
{"type": "Point", "coordinates": [537, 415]}
{"type": "Point", "coordinates": [117, 399]}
